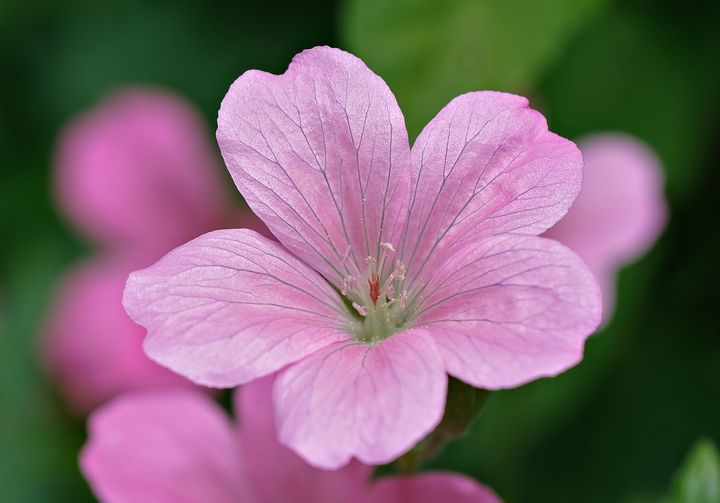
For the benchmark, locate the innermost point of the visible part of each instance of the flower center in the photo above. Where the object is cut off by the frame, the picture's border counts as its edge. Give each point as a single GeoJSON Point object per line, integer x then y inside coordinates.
{"type": "Point", "coordinates": [379, 302]}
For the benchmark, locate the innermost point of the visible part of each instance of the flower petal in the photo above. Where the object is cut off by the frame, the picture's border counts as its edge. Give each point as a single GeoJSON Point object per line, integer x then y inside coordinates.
{"type": "Point", "coordinates": [92, 349]}
{"type": "Point", "coordinates": [485, 165]}
{"type": "Point", "coordinates": [620, 211]}
{"type": "Point", "coordinates": [278, 474]}
{"type": "Point", "coordinates": [431, 488]}
{"type": "Point", "coordinates": [371, 402]}
{"type": "Point", "coordinates": [321, 154]}
{"type": "Point", "coordinates": [138, 171]}
{"type": "Point", "coordinates": [231, 306]}
{"type": "Point", "coordinates": [165, 447]}
{"type": "Point", "coordinates": [510, 310]}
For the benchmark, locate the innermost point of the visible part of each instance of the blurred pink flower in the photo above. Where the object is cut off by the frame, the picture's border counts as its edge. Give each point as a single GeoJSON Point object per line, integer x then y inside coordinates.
{"type": "Point", "coordinates": [395, 267]}
{"type": "Point", "coordinates": [620, 211]}
{"type": "Point", "coordinates": [138, 172]}
{"type": "Point", "coordinates": [91, 347]}
{"type": "Point", "coordinates": [173, 446]}
{"type": "Point", "coordinates": [137, 175]}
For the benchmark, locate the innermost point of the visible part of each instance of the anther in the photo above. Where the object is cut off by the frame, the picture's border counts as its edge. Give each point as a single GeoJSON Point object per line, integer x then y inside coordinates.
{"type": "Point", "coordinates": [399, 272]}
{"type": "Point", "coordinates": [347, 284]}
{"type": "Point", "coordinates": [403, 299]}
{"type": "Point", "coordinates": [360, 309]}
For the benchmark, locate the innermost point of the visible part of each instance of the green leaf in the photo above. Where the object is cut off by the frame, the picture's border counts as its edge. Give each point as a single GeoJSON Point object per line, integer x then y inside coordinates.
{"type": "Point", "coordinates": [432, 50]}
{"type": "Point", "coordinates": [643, 72]}
{"type": "Point", "coordinates": [699, 478]}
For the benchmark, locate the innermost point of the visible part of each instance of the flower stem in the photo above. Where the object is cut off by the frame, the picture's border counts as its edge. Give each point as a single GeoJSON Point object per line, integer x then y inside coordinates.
{"type": "Point", "coordinates": [463, 405]}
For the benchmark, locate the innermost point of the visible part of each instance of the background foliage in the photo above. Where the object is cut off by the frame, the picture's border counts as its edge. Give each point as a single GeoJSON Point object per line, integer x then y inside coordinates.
{"type": "Point", "coordinates": [617, 427]}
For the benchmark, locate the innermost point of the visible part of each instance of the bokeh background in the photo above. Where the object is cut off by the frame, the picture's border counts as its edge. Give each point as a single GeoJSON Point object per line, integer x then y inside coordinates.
{"type": "Point", "coordinates": [615, 428]}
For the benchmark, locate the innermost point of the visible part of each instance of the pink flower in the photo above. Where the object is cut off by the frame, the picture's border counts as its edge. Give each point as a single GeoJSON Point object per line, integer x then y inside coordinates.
{"type": "Point", "coordinates": [136, 175]}
{"type": "Point", "coordinates": [394, 267]}
{"type": "Point", "coordinates": [138, 172]}
{"type": "Point", "coordinates": [178, 446]}
{"type": "Point", "coordinates": [620, 211]}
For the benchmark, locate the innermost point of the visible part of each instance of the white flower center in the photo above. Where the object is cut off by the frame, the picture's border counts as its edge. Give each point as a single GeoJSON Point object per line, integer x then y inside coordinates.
{"type": "Point", "coordinates": [380, 303]}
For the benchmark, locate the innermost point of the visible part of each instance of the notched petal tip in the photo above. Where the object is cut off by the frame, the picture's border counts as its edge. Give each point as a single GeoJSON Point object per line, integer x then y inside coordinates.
{"type": "Point", "coordinates": [321, 154]}
{"type": "Point", "coordinates": [514, 309]}
{"type": "Point", "coordinates": [611, 224]}
{"type": "Point", "coordinates": [368, 402]}
{"type": "Point", "coordinates": [486, 165]}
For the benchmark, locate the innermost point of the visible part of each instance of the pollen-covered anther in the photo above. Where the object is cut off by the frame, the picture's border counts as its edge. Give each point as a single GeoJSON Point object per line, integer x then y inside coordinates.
{"type": "Point", "coordinates": [370, 260]}
{"type": "Point", "coordinates": [347, 284]}
{"type": "Point", "coordinates": [360, 309]}
{"type": "Point", "coordinates": [388, 246]}
{"type": "Point", "coordinates": [403, 299]}
{"type": "Point", "coordinates": [390, 292]}
{"type": "Point", "coordinates": [399, 271]}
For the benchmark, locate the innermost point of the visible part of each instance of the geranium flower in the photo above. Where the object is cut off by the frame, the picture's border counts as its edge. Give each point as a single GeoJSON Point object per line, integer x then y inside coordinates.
{"type": "Point", "coordinates": [178, 446]}
{"type": "Point", "coordinates": [137, 176]}
{"type": "Point", "coordinates": [394, 267]}
{"type": "Point", "coordinates": [620, 211]}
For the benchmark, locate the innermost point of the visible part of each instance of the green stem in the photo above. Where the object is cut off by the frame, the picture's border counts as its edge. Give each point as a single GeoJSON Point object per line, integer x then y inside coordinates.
{"type": "Point", "coordinates": [463, 405]}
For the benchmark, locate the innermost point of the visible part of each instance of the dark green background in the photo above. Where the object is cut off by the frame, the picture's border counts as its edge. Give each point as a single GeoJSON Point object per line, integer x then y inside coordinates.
{"type": "Point", "coordinates": [613, 429]}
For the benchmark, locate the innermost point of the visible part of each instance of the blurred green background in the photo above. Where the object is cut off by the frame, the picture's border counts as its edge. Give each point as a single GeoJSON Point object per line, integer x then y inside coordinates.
{"type": "Point", "coordinates": [615, 428]}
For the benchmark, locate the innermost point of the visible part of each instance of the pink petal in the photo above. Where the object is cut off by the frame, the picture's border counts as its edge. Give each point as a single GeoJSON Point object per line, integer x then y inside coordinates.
{"type": "Point", "coordinates": [138, 170]}
{"type": "Point", "coordinates": [510, 310]}
{"type": "Point", "coordinates": [321, 154]}
{"type": "Point", "coordinates": [371, 402]}
{"type": "Point", "coordinates": [278, 474]}
{"type": "Point", "coordinates": [621, 210]}
{"type": "Point", "coordinates": [232, 306]}
{"type": "Point", "coordinates": [164, 447]}
{"type": "Point", "coordinates": [431, 488]}
{"type": "Point", "coordinates": [92, 349]}
{"type": "Point", "coordinates": [485, 165]}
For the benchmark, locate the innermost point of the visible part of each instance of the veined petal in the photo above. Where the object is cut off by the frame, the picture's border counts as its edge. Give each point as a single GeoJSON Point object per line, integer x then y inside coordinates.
{"type": "Point", "coordinates": [485, 165]}
{"type": "Point", "coordinates": [231, 306]}
{"type": "Point", "coordinates": [371, 402]}
{"type": "Point", "coordinates": [431, 488]}
{"type": "Point", "coordinates": [510, 310]}
{"type": "Point", "coordinates": [137, 171]}
{"type": "Point", "coordinates": [278, 474]}
{"type": "Point", "coordinates": [91, 347]}
{"type": "Point", "coordinates": [164, 447]}
{"type": "Point", "coordinates": [620, 211]}
{"type": "Point", "coordinates": [321, 154]}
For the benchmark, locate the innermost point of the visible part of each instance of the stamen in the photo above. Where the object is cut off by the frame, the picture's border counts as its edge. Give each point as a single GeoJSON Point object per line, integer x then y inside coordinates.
{"type": "Point", "coordinates": [390, 291]}
{"type": "Point", "coordinates": [347, 284]}
{"type": "Point", "coordinates": [403, 299]}
{"type": "Point", "coordinates": [360, 309]}
{"type": "Point", "coordinates": [345, 255]}
{"type": "Point", "coordinates": [399, 271]}
{"type": "Point", "coordinates": [370, 260]}
{"type": "Point", "coordinates": [387, 247]}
